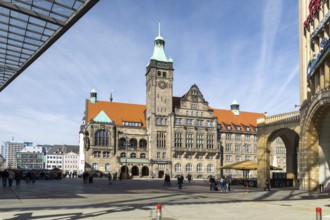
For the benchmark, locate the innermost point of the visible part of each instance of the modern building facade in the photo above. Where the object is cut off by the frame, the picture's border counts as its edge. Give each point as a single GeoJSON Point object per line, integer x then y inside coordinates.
{"type": "Point", "coordinates": [30, 158]}
{"type": "Point", "coordinates": [9, 150]}
{"type": "Point", "coordinates": [314, 145]}
{"type": "Point", "coordinates": [174, 135]}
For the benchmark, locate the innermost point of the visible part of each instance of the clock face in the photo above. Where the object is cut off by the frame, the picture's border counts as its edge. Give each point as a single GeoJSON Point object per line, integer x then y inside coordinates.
{"type": "Point", "coordinates": [162, 84]}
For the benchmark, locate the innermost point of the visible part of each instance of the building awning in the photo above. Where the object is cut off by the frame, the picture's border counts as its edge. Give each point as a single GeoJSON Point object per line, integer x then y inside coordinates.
{"type": "Point", "coordinates": [29, 28]}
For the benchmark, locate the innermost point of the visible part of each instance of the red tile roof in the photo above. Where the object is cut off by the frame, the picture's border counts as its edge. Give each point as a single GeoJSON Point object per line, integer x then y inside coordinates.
{"type": "Point", "coordinates": [117, 112]}
{"type": "Point", "coordinates": [124, 112]}
{"type": "Point", "coordinates": [244, 119]}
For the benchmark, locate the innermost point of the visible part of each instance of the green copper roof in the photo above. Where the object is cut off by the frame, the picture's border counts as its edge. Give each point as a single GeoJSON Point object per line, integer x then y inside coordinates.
{"type": "Point", "coordinates": [159, 50]}
{"type": "Point", "coordinates": [102, 117]}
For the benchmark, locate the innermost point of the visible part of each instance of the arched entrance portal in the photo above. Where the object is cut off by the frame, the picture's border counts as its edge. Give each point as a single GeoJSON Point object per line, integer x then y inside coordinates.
{"type": "Point", "coordinates": [315, 145]}
{"type": "Point", "coordinates": [145, 171]}
{"type": "Point", "coordinates": [160, 174]}
{"type": "Point", "coordinates": [135, 171]}
{"type": "Point", "coordinates": [124, 170]}
{"type": "Point", "coordinates": [324, 150]}
{"type": "Point", "coordinates": [290, 138]}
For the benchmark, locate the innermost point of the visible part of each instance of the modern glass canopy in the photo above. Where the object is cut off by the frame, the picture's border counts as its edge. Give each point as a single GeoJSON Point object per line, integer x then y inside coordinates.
{"type": "Point", "coordinates": [29, 27]}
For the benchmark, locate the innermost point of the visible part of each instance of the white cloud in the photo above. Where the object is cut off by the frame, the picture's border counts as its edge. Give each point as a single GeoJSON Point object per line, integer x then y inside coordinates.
{"type": "Point", "coordinates": [230, 51]}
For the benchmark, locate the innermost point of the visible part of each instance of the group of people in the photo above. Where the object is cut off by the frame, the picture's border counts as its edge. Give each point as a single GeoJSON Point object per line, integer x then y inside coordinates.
{"type": "Point", "coordinates": [224, 184]}
{"type": "Point", "coordinates": [180, 180]}
{"type": "Point", "coordinates": [88, 177]}
{"type": "Point", "coordinates": [8, 176]}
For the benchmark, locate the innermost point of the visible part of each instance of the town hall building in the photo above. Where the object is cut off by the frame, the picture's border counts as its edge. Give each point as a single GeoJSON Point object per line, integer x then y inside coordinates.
{"type": "Point", "coordinates": [169, 134]}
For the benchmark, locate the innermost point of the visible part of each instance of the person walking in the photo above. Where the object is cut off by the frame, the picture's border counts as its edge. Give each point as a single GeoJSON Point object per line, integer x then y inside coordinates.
{"type": "Point", "coordinates": [11, 177]}
{"type": "Point", "coordinates": [228, 181]}
{"type": "Point", "coordinates": [180, 181]}
{"type": "Point", "coordinates": [4, 176]}
{"type": "Point", "coordinates": [109, 178]}
{"type": "Point", "coordinates": [167, 180]}
{"type": "Point", "coordinates": [18, 177]}
{"type": "Point", "coordinates": [189, 177]}
{"type": "Point", "coordinates": [267, 184]}
{"type": "Point", "coordinates": [223, 184]}
{"type": "Point", "coordinates": [212, 183]}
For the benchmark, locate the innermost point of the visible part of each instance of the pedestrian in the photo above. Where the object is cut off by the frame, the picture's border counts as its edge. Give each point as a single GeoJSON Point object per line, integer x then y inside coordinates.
{"type": "Point", "coordinates": [28, 177]}
{"type": "Point", "coordinates": [18, 177]}
{"type": "Point", "coordinates": [212, 183]}
{"type": "Point", "coordinates": [267, 184]}
{"type": "Point", "coordinates": [11, 177]}
{"type": "Point", "coordinates": [180, 181]}
{"type": "Point", "coordinates": [85, 177]}
{"type": "Point", "coordinates": [109, 178]}
{"type": "Point", "coordinates": [4, 176]}
{"type": "Point", "coordinates": [167, 180]}
{"type": "Point", "coordinates": [90, 178]}
{"type": "Point", "coordinates": [222, 184]}
{"type": "Point", "coordinates": [33, 176]}
{"type": "Point", "coordinates": [228, 182]}
{"type": "Point", "coordinates": [189, 177]}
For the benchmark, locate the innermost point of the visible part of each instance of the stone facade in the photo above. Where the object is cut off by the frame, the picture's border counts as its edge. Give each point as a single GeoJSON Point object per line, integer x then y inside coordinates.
{"type": "Point", "coordinates": [174, 135]}
{"type": "Point", "coordinates": [314, 32]}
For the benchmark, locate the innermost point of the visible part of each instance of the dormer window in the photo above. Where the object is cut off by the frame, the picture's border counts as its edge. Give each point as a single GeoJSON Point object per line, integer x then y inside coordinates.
{"type": "Point", "coordinates": [238, 128]}
{"type": "Point", "coordinates": [132, 124]}
{"type": "Point", "coordinates": [228, 127]}
{"type": "Point", "coordinates": [247, 129]}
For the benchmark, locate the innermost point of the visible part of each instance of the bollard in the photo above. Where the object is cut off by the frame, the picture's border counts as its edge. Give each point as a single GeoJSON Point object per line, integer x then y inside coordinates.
{"type": "Point", "coordinates": [159, 212]}
{"type": "Point", "coordinates": [318, 213]}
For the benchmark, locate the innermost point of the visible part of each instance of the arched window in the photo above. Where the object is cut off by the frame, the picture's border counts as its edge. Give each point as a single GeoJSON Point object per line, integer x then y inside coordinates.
{"type": "Point", "coordinates": [199, 168]}
{"type": "Point", "coordinates": [143, 155]}
{"type": "Point", "coordinates": [133, 155]}
{"type": "Point", "coordinates": [95, 166]}
{"type": "Point", "coordinates": [177, 167]}
{"type": "Point", "coordinates": [123, 154]}
{"type": "Point", "coordinates": [143, 143]}
{"type": "Point", "coordinates": [133, 143]}
{"type": "Point", "coordinates": [210, 168]}
{"type": "Point", "coordinates": [122, 143]}
{"type": "Point", "coordinates": [102, 138]}
{"type": "Point", "coordinates": [107, 167]}
{"type": "Point", "coordinates": [189, 168]}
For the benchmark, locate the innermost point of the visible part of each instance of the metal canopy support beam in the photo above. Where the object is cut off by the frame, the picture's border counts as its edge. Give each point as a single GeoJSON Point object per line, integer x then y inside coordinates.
{"type": "Point", "coordinates": [8, 67]}
{"type": "Point", "coordinates": [81, 11]}
{"type": "Point", "coordinates": [31, 13]}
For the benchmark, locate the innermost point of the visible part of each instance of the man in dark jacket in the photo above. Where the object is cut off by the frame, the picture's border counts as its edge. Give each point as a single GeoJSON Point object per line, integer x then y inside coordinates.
{"type": "Point", "coordinates": [4, 176]}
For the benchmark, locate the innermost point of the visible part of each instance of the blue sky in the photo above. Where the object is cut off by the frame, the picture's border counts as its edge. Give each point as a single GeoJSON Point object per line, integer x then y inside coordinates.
{"type": "Point", "coordinates": [244, 50]}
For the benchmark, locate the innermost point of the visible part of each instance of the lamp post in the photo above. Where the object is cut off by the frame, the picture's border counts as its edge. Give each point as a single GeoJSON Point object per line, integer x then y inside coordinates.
{"type": "Point", "coordinates": [126, 168]}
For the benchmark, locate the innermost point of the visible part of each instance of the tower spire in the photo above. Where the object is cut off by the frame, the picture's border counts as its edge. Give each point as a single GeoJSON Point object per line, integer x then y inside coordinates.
{"type": "Point", "coordinates": [158, 28]}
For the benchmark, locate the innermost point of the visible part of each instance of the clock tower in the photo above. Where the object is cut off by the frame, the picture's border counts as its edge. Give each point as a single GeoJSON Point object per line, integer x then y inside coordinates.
{"type": "Point", "coordinates": [159, 92]}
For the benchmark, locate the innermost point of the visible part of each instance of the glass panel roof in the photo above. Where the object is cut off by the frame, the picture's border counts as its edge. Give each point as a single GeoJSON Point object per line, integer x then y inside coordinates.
{"type": "Point", "coordinates": [29, 27]}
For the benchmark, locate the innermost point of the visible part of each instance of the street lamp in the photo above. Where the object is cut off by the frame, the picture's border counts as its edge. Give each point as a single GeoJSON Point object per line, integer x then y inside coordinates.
{"type": "Point", "coordinates": [126, 168]}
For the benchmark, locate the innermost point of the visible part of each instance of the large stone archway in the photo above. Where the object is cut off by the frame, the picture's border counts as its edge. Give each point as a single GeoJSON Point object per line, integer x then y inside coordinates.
{"type": "Point", "coordinates": [287, 127]}
{"type": "Point", "coordinates": [315, 142]}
